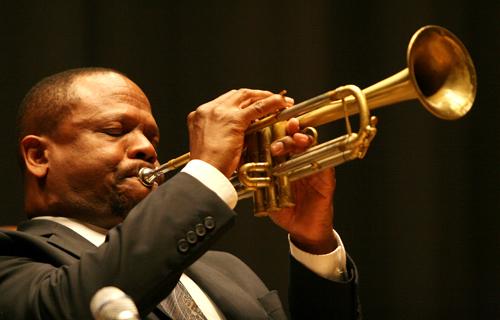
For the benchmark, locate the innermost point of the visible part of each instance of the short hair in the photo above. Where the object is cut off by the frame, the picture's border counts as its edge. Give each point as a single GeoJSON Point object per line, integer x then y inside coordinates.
{"type": "Point", "coordinates": [50, 101]}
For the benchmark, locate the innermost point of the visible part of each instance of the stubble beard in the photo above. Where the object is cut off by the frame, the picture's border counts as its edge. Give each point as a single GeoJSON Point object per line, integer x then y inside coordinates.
{"type": "Point", "coordinates": [121, 202]}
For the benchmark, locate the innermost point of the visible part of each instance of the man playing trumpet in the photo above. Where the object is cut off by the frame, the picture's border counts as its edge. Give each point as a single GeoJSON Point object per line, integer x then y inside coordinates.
{"type": "Point", "coordinates": [83, 136]}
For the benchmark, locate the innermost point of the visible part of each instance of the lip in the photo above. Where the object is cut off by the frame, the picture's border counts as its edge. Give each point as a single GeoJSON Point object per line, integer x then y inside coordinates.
{"type": "Point", "coordinates": [133, 183]}
{"type": "Point", "coordinates": [159, 179]}
{"type": "Point", "coordinates": [133, 171]}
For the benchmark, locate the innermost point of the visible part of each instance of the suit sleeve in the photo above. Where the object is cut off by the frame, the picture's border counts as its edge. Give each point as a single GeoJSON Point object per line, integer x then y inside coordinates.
{"type": "Point", "coordinates": [310, 294]}
{"type": "Point", "coordinates": [144, 256]}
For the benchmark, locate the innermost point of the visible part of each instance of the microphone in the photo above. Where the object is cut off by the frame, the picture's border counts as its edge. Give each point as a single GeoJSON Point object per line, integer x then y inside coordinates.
{"type": "Point", "coordinates": [110, 303]}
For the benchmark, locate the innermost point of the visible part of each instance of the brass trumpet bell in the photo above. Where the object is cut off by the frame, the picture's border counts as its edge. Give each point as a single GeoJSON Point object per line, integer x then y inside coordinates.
{"type": "Point", "coordinates": [443, 72]}
{"type": "Point", "coordinates": [439, 73]}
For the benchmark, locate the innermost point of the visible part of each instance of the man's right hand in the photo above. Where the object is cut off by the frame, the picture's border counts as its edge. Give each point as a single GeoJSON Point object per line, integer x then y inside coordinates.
{"type": "Point", "coordinates": [217, 128]}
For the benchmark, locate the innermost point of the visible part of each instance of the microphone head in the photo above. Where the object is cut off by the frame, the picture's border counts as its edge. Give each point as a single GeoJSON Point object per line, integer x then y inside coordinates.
{"type": "Point", "coordinates": [110, 303]}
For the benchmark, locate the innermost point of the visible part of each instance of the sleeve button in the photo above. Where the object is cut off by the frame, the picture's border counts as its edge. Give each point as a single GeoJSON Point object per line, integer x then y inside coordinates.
{"type": "Point", "coordinates": [200, 230]}
{"type": "Point", "coordinates": [191, 237]}
{"type": "Point", "coordinates": [183, 245]}
{"type": "Point", "coordinates": [209, 222]}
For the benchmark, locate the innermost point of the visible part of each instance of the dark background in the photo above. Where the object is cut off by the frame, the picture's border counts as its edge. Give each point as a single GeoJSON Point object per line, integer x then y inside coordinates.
{"type": "Point", "coordinates": [419, 215]}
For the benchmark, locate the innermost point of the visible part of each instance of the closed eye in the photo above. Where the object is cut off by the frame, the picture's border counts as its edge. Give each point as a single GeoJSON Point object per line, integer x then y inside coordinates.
{"type": "Point", "coordinates": [114, 132]}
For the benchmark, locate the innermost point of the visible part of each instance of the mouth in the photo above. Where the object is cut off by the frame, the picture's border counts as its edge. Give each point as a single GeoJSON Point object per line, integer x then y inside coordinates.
{"type": "Point", "coordinates": [132, 171]}
{"type": "Point", "coordinates": [130, 176]}
{"type": "Point", "coordinates": [147, 176]}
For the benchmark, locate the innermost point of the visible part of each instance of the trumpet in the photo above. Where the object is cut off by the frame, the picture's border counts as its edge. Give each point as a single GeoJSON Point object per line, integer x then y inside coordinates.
{"type": "Point", "coordinates": [439, 73]}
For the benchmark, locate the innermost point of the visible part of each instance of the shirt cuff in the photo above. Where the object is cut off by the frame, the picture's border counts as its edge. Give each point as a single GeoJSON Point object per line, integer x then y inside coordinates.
{"type": "Point", "coordinates": [212, 179]}
{"type": "Point", "coordinates": [331, 266]}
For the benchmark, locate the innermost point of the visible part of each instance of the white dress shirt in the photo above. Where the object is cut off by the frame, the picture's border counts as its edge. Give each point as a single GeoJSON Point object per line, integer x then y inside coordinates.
{"type": "Point", "coordinates": [331, 266]}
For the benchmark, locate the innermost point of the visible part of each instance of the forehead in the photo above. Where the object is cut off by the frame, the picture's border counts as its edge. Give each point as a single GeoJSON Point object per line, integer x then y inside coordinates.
{"type": "Point", "coordinates": [108, 94]}
{"type": "Point", "coordinates": [106, 88]}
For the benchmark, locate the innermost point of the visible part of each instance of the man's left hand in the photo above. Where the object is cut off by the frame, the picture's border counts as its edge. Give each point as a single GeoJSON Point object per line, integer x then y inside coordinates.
{"type": "Point", "coordinates": [310, 222]}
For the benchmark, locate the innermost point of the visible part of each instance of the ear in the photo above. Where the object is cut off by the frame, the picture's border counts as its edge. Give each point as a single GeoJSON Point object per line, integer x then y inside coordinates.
{"type": "Point", "coordinates": [34, 153]}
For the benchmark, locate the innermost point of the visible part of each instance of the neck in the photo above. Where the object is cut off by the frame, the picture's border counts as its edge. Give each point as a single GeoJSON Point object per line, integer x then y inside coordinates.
{"type": "Point", "coordinates": [40, 201]}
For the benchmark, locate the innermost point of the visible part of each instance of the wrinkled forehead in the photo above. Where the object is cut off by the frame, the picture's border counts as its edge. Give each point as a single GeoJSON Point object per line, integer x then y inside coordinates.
{"type": "Point", "coordinates": [103, 89]}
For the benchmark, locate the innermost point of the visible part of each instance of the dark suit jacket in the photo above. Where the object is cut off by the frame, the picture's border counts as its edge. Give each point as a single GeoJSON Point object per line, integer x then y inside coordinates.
{"type": "Point", "coordinates": [47, 271]}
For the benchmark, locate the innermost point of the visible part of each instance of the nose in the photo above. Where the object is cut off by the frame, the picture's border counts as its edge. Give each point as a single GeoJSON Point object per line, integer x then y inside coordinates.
{"type": "Point", "coordinates": [141, 148]}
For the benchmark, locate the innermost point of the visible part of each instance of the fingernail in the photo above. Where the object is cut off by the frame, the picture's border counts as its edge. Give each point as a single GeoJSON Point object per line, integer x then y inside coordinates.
{"type": "Point", "coordinates": [289, 100]}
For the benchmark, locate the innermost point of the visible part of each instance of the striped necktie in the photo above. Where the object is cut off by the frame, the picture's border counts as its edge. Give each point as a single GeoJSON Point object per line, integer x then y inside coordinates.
{"type": "Point", "coordinates": [179, 305]}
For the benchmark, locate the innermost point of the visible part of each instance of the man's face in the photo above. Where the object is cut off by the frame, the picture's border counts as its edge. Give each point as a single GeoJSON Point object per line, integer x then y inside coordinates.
{"type": "Point", "coordinates": [96, 151]}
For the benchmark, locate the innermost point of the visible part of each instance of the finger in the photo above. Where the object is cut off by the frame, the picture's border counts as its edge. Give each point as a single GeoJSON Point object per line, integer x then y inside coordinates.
{"type": "Point", "coordinates": [296, 143]}
{"type": "Point", "coordinates": [250, 101]}
{"type": "Point", "coordinates": [283, 146]}
{"type": "Point", "coordinates": [277, 148]}
{"type": "Point", "coordinates": [244, 97]}
{"type": "Point", "coordinates": [265, 106]}
{"type": "Point", "coordinates": [292, 126]}
{"type": "Point", "coordinates": [227, 100]}
{"type": "Point", "coordinates": [302, 140]}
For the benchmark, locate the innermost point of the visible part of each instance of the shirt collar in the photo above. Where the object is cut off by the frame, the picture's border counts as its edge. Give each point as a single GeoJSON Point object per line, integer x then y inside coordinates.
{"type": "Point", "coordinates": [94, 234]}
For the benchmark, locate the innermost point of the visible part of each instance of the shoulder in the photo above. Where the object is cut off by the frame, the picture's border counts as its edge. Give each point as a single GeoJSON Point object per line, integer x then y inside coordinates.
{"type": "Point", "coordinates": [12, 241]}
{"type": "Point", "coordinates": [38, 242]}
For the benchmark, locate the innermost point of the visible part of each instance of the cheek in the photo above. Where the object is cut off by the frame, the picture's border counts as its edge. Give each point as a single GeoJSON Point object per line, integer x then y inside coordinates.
{"type": "Point", "coordinates": [89, 162]}
{"type": "Point", "coordinates": [100, 162]}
